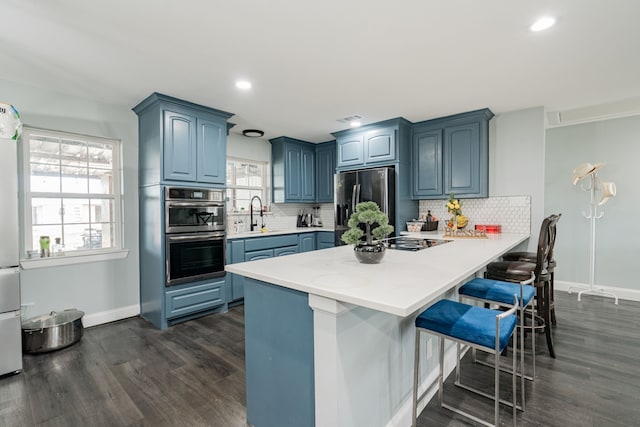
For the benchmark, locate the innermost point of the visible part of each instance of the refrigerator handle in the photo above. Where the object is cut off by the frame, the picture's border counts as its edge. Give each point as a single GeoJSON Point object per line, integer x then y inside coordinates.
{"type": "Point", "coordinates": [354, 197]}
{"type": "Point", "coordinates": [385, 199]}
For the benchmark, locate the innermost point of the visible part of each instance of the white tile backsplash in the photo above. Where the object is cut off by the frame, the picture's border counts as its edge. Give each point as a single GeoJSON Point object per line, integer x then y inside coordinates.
{"type": "Point", "coordinates": [513, 213]}
{"type": "Point", "coordinates": [282, 216]}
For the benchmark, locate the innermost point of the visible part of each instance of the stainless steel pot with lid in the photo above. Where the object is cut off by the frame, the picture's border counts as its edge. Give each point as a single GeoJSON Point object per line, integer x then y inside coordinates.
{"type": "Point", "coordinates": [52, 331]}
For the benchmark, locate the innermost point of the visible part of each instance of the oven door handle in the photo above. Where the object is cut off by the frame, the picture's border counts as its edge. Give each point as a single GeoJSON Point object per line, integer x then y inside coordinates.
{"type": "Point", "coordinates": [196, 237]}
{"type": "Point", "coordinates": [195, 205]}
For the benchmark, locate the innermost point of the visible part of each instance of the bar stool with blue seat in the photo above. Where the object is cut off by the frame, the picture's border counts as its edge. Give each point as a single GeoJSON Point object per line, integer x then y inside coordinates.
{"type": "Point", "coordinates": [531, 257]}
{"type": "Point", "coordinates": [486, 329]}
{"type": "Point", "coordinates": [518, 271]}
{"type": "Point", "coordinates": [501, 293]}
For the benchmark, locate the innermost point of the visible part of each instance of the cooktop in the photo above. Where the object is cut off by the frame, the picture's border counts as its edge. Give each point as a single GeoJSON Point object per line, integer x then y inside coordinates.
{"type": "Point", "coordinates": [407, 243]}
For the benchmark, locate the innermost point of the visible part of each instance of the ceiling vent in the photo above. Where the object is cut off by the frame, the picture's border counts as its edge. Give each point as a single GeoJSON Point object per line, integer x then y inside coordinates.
{"type": "Point", "coordinates": [354, 118]}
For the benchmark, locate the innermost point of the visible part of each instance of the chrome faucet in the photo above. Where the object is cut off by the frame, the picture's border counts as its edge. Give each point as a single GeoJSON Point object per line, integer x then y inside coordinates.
{"type": "Point", "coordinates": [251, 210]}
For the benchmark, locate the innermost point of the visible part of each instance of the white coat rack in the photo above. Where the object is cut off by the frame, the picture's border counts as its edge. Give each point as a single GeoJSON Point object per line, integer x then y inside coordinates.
{"type": "Point", "coordinates": [608, 190]}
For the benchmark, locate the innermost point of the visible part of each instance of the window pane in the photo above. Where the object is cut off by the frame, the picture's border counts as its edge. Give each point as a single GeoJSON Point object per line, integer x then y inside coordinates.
{"type": "Point", "coordinates": [45, 178]}
{"type": "Point", "coordinates": [76, 211]}
{"type": "Point", "coordinates": [101, 210]}
{"type": "Point", "coordinates": [100, 181]}
{"type": "Point", "coordinates": [45, 211]}
{"type": "Point", "coordinates": [100, 156]}
{"type": "Point", "coordinates": [255, 175]}
{"type": "Point", "coordinates": [77, 236]}
{"type": "Point", "coordinates": [230, 174]}
{"type": "Point", "coordinates": [73, 153]}
{"type": "Point", "coordinates": [241, 175]}
{"type": "Point", "coordinates": [75, 180]}
{"type": "Point", "coordinates": [104, 234]}
{"type": "Point", "coordinates": [44, 150]}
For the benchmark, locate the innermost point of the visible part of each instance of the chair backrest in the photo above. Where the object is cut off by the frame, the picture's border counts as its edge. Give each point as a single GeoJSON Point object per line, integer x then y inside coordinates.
{"type": "Point", "coordinates": [552, 234]}
{"type": "Point", "coordinates": [546, 242]}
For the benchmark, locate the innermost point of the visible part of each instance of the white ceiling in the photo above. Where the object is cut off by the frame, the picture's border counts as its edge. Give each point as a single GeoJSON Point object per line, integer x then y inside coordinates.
{"type": "Point", "coordinates": [314, 62]}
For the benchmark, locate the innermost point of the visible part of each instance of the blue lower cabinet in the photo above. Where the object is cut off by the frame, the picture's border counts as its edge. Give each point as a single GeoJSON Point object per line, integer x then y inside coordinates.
{"type": "Point", "coordinates": [257, 248]}
{"type": "Point", "coordinates": [325, 239]}
{"type": "Point", "coordinates": [288, 250]}
{"type": "Point", "coordinates": [307, 242]}
{"type": "Point", "coordinates": [278, 356]}
{"type": "Point", "coordinates": [194, 298]}
{"type": "Point", "coordinates": [256, 255]}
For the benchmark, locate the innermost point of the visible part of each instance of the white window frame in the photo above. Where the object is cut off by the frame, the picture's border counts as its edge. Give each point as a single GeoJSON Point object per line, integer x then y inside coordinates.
{"type": "Point", "coordinates": [264, 193]}
{"type": "Point", "coordinates": [75, 255]}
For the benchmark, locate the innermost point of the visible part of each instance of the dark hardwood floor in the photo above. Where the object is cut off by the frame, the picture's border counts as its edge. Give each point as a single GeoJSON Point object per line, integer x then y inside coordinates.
{"type": "Point", "coordinates": [128, 373]}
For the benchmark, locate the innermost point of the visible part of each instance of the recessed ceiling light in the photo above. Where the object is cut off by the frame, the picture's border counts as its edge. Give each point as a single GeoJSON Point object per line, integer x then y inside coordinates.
{"type": "Point", "coordinates": [252, 133]}
{"type": "Point", "coordinates": [543, 23]}
{"type": "Point", "coordinates": [355, 123]}
{"type": "Point", "coordinates": [243, 84]}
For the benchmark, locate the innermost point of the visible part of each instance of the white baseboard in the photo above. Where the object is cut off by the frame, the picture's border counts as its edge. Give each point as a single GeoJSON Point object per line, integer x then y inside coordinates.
{"type": "Point", "coordinates": [102, 317]}
{"type": "Point", "coordinates": [404, 416]}
{"type": "Point", "coordinates": [575, 287]}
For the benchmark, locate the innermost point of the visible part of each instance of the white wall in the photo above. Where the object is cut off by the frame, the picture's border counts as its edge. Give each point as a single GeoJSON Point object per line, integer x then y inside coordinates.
{"type": "Point", "coordinates": [516, 160]}
{"type": "Point", "coordinates": [258, 149]}
{"type": "Point", "coordinates": [616, 142]}
{"type": "Point", "coordinates": [103, 290]}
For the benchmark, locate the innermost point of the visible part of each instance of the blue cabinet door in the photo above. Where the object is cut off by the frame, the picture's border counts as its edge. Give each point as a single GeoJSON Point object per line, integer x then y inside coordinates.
{"type": "Point", "coordinates": [350, 150]}
{"type": "Point", "coordinates": [325, 239]}
{"type": "Point", "coordinates": [192, 299]}
{"type": "Point", "coordinates": [427, 163]}
{"type": "Point", "coordinates": [307, 242]}
{"type": "Point", "coordinates": [179, 148]}
{"type": "Point", "coordinates": [462, 159]}
{"type": "Point", "coordinates": [293, 172]}
{"type": "Point", "coordinates": [256, 255]}
{"type": "Point", "coordinates": [308, 184]}
{"type": "Point", "coordinates": [380, 145]}
{"type": "Point", "coordinates": [212, 151]}
{"type": "Point", "coordinates": [235, 253]}
{"type": "Point", "coordinates": [325, 170]}
{"type": "Point", "coordinates": [287, 250]}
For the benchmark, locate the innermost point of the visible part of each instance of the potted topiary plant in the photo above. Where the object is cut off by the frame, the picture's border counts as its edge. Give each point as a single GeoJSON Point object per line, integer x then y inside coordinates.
{"type": "Point", "coordinates": [376, 225]}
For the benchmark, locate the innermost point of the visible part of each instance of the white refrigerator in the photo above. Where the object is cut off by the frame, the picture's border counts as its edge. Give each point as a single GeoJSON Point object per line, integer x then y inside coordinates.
{"type": "Point", "coordinates": [10, 331]}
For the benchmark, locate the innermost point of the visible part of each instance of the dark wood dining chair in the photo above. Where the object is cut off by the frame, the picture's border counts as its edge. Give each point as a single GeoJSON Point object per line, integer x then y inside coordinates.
{"type": "Point", "coordinates": [518, 271]}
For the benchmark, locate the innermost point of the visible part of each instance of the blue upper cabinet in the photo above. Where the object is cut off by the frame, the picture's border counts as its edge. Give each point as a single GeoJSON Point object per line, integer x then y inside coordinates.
{"type": "Point", "coordinates": [181, 142]}
{"type": "Point", "coordinates": [380, 145]}
{"type": "Point", "coordinates": [350, 150]}
{"type": "Point", "coordinates": [179, 146]}
{"type": "Point", "coordinates": [427, 153]}
{"type": "Point", "coordinates": [212, 151]}
{"type": "Point", "coordinates": [451, 154]}
{"type": "Point", "coordinates": [293, 170]}
{"type": "Point", "coordinates": [463, 160]}
{"type": "Point", "coordinates": [372, 145]}
{"type": "Point", "coordinates": [325, 170]}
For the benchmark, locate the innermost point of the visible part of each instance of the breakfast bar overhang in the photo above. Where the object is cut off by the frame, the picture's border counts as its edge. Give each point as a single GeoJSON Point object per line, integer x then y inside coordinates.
{"type": "Point", "coordinates": [330, 341]}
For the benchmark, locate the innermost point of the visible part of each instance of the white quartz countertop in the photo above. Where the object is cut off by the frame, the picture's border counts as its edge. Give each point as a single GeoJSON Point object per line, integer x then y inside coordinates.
{"type": "Point", "coordinates": [277, 232]}
{"type": "Point", "coordinates": [401, 284]}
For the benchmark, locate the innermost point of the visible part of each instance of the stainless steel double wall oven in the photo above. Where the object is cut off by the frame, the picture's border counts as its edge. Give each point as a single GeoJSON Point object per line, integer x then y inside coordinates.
{"type": "Point", "coordinates": [194, 234]}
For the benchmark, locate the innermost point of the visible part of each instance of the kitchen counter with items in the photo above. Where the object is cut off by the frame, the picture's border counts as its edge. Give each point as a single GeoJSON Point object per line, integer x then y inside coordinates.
{"type": "Point", "coordinates": [330, 341]}
{"type": "Point", "coordinates": [276, 232]}
{"type": "Point", "coordinates": [401, 284]}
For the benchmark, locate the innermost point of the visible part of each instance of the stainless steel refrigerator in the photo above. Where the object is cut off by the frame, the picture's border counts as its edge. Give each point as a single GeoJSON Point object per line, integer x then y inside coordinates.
{"type": "Point", "coordinates": [352, 187]}
{"type": "Point", "coordinates": [10, 331]}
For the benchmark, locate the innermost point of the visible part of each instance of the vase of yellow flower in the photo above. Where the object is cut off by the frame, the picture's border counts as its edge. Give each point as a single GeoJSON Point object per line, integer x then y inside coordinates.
{"type": "Point", "coordinates": [454, 206]}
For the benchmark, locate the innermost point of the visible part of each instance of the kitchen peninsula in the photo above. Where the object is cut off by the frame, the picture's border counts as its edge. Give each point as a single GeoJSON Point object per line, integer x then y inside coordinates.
{"type": "Point", "coordinates": [330, 341]}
